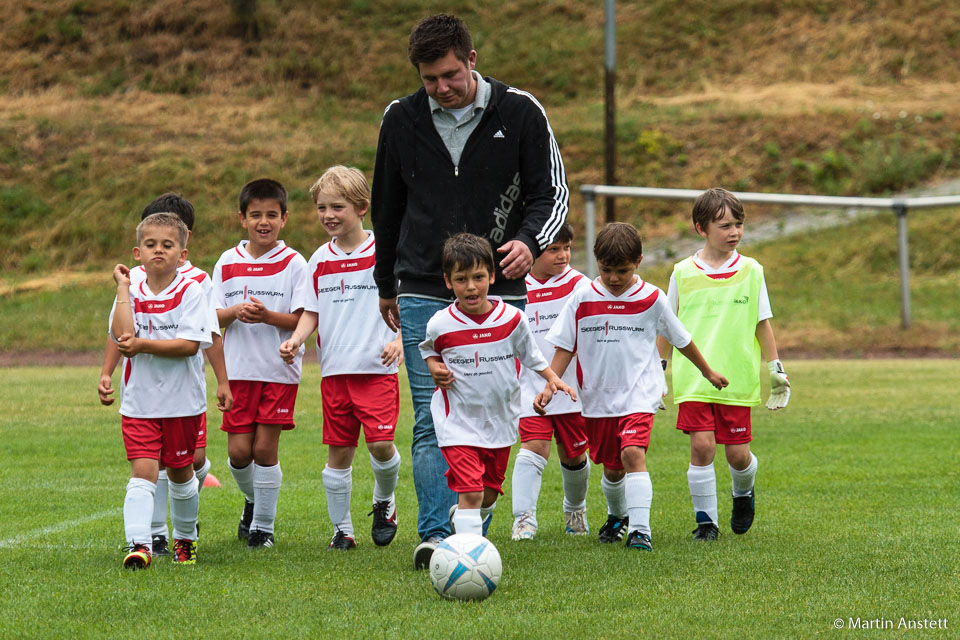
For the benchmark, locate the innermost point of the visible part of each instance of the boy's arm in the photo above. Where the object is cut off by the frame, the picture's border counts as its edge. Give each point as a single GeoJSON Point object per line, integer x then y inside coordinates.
{"type": "Point", "coordinates": [561, 360]}
{"type": "Point", "coordinates": [122, 322]}
{"type": "Point", "coordinates": [779, 383]}
{"type": "Point", "coordinates": [175, 348]}
{"type": "Point", "coordinates": [226, 316]}
{"type": "Point", "coordinates": [111, 357]}
{"type": "Point", "coordinates": [393, 351]}
{"type": "Point", "coordinates": [442, 376]}
{"type": "Point", "coordinates": [693, 354]}
{"type": "Point", "coordinates": [255, 311]}
{"type": "Point", "coordinates": [306, 325]}
{"type": "Point", "coordinates": [215, 356]}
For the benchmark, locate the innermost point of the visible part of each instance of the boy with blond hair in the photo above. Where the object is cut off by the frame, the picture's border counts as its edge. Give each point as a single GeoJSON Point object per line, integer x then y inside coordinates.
{"type": "Point", "coordinates": [612, 327]}
{"type": "Point", "coordinates": [261, 287]}
{"type": "Point", "coordinates": [721, 296]}
{"type": "Point", "coordinates": [359, 356]}
{"type": "Point", "coordinates": [474, 349]}
{"type": "Point", "coordinates": [160, 325]}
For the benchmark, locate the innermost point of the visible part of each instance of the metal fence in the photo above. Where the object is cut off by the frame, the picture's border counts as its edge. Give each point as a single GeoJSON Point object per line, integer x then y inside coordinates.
{"type": "Point", "coordinates": [899, 206]}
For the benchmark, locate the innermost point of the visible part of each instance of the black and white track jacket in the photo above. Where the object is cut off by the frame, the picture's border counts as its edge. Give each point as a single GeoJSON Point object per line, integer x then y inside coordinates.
{"type": "Point", "coordinates": [510, 184]}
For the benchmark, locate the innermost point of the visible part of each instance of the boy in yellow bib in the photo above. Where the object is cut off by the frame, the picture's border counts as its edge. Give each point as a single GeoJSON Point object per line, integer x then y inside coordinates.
{"type": "Point", "coordinates": [721, 297]}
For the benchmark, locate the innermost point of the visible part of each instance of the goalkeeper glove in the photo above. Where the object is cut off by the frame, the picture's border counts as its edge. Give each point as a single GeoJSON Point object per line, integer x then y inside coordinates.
{"type": "Point", "coordinates": [779, 386]}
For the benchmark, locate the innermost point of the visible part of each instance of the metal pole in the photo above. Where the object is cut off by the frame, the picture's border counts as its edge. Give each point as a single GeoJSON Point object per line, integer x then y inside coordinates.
{"type": "Point", "coordinates": [904, 262]}
{"type": "Point", "coordinates": [609, 83]}
{"type": "Point", "coordinates": [590, 203]}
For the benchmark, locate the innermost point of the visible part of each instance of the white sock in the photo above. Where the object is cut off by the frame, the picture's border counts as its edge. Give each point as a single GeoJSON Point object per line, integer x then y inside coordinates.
{"type": "Point", "coordinates": [385, 476]}
{"type": "Point", "coordinates": [137, 508]}
{"type": "Point", "coordinates": [202, 472]}
{"type": "Point", "coordinates": [338, 483]}
{"type": "Point", "coordinates": [703, 492]}
{"type": "Point", "coordinates": [527, 476]}
{"type": "Point", "coordinates": [158, 526]}
{"type": "Point", "coordinates": [184, 506]}
{"type": "Point", "coordinates": [638, 492]}
{"type": "Point", "coordinates": [244, 478]}
{"type": "Point", "coordinates": [576, 481]}
{"type": "Point", "coordinates": [743, 480]}
{"type": "Point", "coordinates": [613, 492]}
{"type": "Point", "coordinates": [486, 513]}
{"type": "Point", "coordinates": [468, 521]}
{"type": "Point", "coordinates": [266, 491]}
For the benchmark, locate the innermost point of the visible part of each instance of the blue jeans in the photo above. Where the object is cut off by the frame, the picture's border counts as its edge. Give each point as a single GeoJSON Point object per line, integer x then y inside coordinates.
{"type": "Point", "coordinates": [433, 495]}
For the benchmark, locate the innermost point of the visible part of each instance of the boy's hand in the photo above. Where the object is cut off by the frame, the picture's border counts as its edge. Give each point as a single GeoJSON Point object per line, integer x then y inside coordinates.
{"type": "Point", "coordinates": [716, 379]}
{"type": "Point", "coordinates": [442, 377]}
{"type": "Point", "coordinates": [560, 385]}
{"type": "Point", "coordinates": [779, 386]}
{"type": "Point", "coordinates": [252, 312]}
{"type": "Point", "coordinates": [121, 275]}
{"type": "Point", "coordinates": [105, 390]}
{"type": "Point", "coordinates": [128, 345]}
{"type": "Point", "coordinates": [663, 394]}
{"type": "Point", "coordinates": [393, 351]}
{"type": "Point", "coordinates": [543, 399]}
{"type": "Point", "coordinates": [224, 397]}
{"type": "Point", "coordinates": [289, 350]}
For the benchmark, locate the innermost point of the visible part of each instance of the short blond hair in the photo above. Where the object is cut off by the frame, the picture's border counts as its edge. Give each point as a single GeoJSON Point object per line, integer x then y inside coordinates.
{"type": "Point", "coordinates": [347, 182]}
{"type": "Point", "coordinates": [170, 220]}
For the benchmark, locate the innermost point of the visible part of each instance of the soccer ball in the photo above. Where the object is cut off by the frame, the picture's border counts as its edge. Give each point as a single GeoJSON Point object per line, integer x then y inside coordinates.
{"type": "Point", "coordinates": [465, 566]}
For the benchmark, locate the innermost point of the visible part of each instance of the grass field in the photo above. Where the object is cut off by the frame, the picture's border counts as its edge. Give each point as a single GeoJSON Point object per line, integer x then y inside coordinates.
{"type": "Point", "coordinates": [857, 494]}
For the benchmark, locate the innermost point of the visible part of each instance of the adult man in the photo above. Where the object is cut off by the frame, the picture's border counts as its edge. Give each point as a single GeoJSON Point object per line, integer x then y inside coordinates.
{"type": "Point", "coordinates": [463, 153]}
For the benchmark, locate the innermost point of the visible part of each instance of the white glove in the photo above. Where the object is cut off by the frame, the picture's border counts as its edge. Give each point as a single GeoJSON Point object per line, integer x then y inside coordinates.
{"type": "Point", "coordinates": [663, 394]}
{"type": "Point", "coordinates": [779, 386]}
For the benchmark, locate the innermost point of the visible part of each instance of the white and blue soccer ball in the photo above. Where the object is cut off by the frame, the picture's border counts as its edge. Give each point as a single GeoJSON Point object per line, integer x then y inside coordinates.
{"type": "Point", "coordinates": [465, 566]}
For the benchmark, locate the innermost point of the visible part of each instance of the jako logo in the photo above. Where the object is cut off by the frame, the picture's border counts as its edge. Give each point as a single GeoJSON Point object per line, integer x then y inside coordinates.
{"type": "Point", "coordinates": [385, 427]}
{"type": "Point", "coordinates": [283, 410]}
{"type": "Point", "coordinates": [254, 269]}
{"type": "Point", "coordinates": [741, 300]}
{"type": "Point", "coordinates": [508, 199]}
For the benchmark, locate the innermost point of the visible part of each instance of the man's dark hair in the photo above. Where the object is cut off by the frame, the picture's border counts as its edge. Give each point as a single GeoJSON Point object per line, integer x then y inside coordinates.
{"type": "Point", "coordinates": [710, 205]}
{"type": "Point", "coordinates": [263, 189]}
{"type": "Point", "coordinates": [464, 251]}
{"type": "Point", "coordinates": [171, 203]}
{"type": "Point", "coordinates": [433, 37]}
{"type": "Point", "coordinates": [618, 243]}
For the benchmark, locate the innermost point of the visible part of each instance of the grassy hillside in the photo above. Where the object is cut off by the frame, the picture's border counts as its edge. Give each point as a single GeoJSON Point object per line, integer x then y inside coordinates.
{"type": "Point", "coordinates": [105, 104]}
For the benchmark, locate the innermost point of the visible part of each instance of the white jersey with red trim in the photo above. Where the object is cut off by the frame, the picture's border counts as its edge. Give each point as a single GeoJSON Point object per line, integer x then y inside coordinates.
{"type": "Point", "coordinates": [351, 333]}
{"type": "Point", "coordinates": [279, 280]}
{"type": "Point", "coordinates": [545, 300]}
{"type": "Point", "coordinates": [157, 386]}
{"type": "Point", "coordinates": [615, 339]}
{"type": "Point", "coordinates": [187, 270]}
{"type": "Point", "coordinates": [726, 270]}
{"type": "Point", "coordinates": [482, 408]}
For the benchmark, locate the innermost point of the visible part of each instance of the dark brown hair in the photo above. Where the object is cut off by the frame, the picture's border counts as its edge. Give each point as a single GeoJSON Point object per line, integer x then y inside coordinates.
{"type": "Point", "coordinates": [433, 37]}
{"type": "Point", "coordinates": [710, 205]}
{"type": "Point", "coordinates": [618, 243]}
{"type": "Point", "coordinates": [565, 234]}
{"type": "Point", "coordinates": [263, 189]}
{"type": "Point", "coordinates": [465, 250]}
{"type": "Point", "coordinates": [171, 203]}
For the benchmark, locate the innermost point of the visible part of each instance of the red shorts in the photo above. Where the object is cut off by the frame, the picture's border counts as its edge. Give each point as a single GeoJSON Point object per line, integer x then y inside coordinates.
{"type": "Point", "coordinates": [202, 432]}
{"type": "Point", "coordinates": [568, 427]}
{"type": "Point", "coordinates": [608, 436]}
{"type": "Point", "coordinates": [172, 441]}
{"type": "Point", "coordinates": [256, 402]}
{"type": "Point", "coordinates": [475, 469]}
{"type": "Point", "coordinates": [730, 423]}
{"type": "Point", "coordinates": [356, 400]}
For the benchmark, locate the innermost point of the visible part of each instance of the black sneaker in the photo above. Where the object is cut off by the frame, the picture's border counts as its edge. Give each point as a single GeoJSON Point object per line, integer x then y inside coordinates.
{"type": "Point", "coordinates": [243, 529]}
{"type": "Point", "coordinates": [384, 522]}
{"type": "Point", "coordinates": [706, 531]}
{"type": "Point", "coordinates": [424, 551]}
{"type": "Point", "coordinates": [612, 529]}
{"type": "Point", "coordinates": [742, 516]}
{"type": "Point", "coordinates": [639, 541]}
{"type": "Point", "coordinates": [259, 539]}
{"type": "Point", "coordinates": [342, 542]}
{"type": "Point", "coordinates": [160, 546]}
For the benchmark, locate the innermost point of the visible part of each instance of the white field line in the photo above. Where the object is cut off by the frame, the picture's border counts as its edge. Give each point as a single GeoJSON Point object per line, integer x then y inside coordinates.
{"type": "Point", "coordinates": [56, 528]}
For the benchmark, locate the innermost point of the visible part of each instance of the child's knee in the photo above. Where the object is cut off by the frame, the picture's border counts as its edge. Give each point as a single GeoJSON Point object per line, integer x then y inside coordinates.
{"type": "Point", "coordinates": [382, 450]}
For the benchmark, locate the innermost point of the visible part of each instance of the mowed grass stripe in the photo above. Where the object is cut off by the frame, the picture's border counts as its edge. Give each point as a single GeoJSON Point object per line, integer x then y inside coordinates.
{"type": "Point", "coordinates": [857, 488]}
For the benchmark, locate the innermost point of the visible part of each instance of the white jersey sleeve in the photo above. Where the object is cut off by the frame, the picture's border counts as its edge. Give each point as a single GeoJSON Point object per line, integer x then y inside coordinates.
{"type": "Point", "coordinates": [670, 327]}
